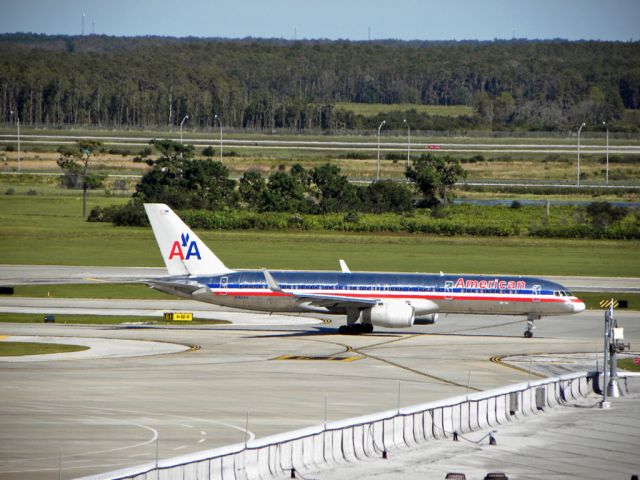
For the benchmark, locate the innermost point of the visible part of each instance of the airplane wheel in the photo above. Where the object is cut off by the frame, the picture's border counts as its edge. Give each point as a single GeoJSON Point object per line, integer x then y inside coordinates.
{"type": "Point", "coordinates": [357, 328]}
{"type": "Point", "coordinates": [528, 334]}
{"type": "Point", "coordinates": [367, 328]}
{"type": "Point", "coordinates": [343, 330]}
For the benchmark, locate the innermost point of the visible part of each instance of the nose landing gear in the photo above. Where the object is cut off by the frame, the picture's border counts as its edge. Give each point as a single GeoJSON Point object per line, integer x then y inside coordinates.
{"type": "Point", "coordinates": [528, 333]}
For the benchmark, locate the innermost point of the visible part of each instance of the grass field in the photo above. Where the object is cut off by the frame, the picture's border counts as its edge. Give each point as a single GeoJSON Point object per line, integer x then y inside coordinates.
{"type": "Point", "coordinates": [16, 349]}
{"type": "Point", "coordinates": [50, 231]}
{"type": "Point", "coordinates": [592, 300]}
{"type": "Point", "coordinates": [628, 364]}
{"type": "Point", "coordinates": [98, 290]}
{"type": "Point", "coordinates": [373, 109]}
{"type": "Point", "coordinates": [99, 319]}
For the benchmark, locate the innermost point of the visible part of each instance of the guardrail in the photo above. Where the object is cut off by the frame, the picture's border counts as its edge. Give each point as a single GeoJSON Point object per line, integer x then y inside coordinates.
{"type": "Point", "coordinates": [368, 436]}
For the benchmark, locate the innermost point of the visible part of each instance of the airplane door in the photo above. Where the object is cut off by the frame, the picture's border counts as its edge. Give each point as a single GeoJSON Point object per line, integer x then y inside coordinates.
{"type": "Point", "coordinates": [536, 293]}
{"type": "Point", "coordinates": [224, 284]}
{"type": "Point", "coordinates": [448, 290]}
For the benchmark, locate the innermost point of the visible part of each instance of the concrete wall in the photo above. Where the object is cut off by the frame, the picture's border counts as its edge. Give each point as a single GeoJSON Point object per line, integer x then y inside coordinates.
{"type": "Point", "coordinates": [369, 436]}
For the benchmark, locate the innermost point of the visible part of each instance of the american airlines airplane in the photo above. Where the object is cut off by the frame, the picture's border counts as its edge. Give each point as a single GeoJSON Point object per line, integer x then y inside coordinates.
{"type": "Point", "coordinates": [368, 299]}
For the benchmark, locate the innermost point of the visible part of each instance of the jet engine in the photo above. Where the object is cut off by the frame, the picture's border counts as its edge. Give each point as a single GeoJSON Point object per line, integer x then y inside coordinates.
{"type": "Point", "coordinates": [390, 315]}
{"type": "Point", "coordinates": [427, 319]}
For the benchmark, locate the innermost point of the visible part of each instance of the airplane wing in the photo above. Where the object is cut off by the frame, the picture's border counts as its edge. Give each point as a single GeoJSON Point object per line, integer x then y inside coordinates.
{"type": "Point", "coordinates": [180, 287]}
{"type": "Point", "coordinates": [331, 302]}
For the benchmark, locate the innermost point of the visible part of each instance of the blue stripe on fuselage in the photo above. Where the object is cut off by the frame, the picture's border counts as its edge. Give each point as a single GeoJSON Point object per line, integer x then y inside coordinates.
{"type": "Point", "coordinates": [363, 282]}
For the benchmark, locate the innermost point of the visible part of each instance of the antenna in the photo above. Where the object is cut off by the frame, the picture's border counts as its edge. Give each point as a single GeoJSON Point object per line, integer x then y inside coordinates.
{"type": "Point", "coordinates": [369, 33]}
{"type": "Point", "coordinates": [83, 24]}
{"type": "Point", "coordinates": [93, 26]}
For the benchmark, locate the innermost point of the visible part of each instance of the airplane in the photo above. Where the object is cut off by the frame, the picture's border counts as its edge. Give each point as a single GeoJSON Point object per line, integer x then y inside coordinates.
{"type": "Point", "coordinates": [368, 299]}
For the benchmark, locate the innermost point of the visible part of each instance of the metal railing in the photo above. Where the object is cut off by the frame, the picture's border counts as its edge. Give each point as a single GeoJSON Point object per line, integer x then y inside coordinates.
{"type": "Point", "coordinates": [370, 436]}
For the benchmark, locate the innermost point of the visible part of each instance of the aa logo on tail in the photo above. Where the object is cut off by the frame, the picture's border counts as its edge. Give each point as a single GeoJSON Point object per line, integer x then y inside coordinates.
{"type": "Point", "coordinates": [178, 249]}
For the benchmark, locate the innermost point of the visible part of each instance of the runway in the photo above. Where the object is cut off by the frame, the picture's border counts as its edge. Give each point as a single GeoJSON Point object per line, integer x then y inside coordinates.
{"type": "Point", "coordinates": [94, 415]}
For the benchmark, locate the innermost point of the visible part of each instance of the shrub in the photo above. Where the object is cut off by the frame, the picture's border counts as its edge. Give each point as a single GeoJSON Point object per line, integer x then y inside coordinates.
{"type": "Point", "coordinates": [10, 191]}
{"type": "Point", "coordinates": [32, 192]}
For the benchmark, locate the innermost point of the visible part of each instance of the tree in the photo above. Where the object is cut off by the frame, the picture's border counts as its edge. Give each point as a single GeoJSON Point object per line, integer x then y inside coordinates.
{"type": "Point", "coordinates": [285, 193]}
{"type": "Point", "coordinates": [332, 191]}
{"type": "Point", "coordinates": [434, 176]}
{"type": "Point", "coordinates": [386, 196]}
{"type": "Point", "coordinates": [74, 163]}
{"type": "Point", "coordinates": [253, 190]}
{"type": "Point", "coordinates": [182, 182]}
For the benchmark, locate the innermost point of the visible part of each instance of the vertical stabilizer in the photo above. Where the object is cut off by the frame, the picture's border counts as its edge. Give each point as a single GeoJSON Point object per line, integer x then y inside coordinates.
{"type": "Point", "coordinates": [182, 251]}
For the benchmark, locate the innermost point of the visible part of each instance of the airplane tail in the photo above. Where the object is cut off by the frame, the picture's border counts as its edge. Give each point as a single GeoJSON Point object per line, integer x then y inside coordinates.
{"type": "Point", "coordinates": [182, 251]}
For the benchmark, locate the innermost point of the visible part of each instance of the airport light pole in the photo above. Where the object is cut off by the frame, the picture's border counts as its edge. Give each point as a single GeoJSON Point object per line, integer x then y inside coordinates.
{"type": "Point", "coordinates": [606, 177]}
{"type": "Point", "coordinates": [378, 169]}
{"type": "Point", "coordinates": [579, 130]}
{"type": "Point", "coordinates": [408, 142]}
{"type": "Point", "coordinates": [186, 117]}
{"type": "Point", "coordinates": [220, 122]}
{"type": "Point", "coordinates": [18, 127]}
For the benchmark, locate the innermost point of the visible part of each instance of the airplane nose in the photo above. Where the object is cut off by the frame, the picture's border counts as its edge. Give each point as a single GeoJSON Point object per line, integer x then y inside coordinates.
{"type": "Point", "coordinates": [578, 307]}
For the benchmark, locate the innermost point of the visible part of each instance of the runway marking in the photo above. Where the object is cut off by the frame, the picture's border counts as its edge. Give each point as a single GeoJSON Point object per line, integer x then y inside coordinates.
{"type": "Point", "coordinates": [360, 351]}
{"type": "Point", "coordinates": [202, 440]}
{"type": "Point", "coordinates": [99, 280]}
{"type": "Point", "coordinates": [93, 452]}
{"type": "Point", "coordinates": [202, 433]}
{"type": "Point", "coordinates": [321, 358]}
{"type": "Point", "coordinates": [181, 447]}
{"type": "Point", "coordinates": [186, 425]}
{"type": "Point", "coordinates": [498, 360]}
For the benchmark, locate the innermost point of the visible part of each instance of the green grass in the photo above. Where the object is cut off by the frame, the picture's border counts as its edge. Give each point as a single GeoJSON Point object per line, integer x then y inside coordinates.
{"type": "Point", "coordinates": [627, 364]}
{"type": "Point", "coordinates": [99, 319]}
{"type": "Point", "coordinates": [50, 231]}
{"type": "Point", "coordinates": [100, 290]}
{"type": "Point", "coordinates": [16, 349]}
{"type": "Point", "coordinates": [373, 109]}
{"type": "Point", "coordinates": [592, 299]}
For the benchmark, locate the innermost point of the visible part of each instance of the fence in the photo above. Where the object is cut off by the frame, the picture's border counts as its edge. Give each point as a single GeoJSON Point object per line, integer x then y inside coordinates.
{"type": "Point", "coordinates": [368, 436]}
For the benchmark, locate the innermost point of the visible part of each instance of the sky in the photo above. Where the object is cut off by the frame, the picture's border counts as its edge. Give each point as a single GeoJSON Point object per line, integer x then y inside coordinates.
{"type": "Point", "coordinates": [330, 19]}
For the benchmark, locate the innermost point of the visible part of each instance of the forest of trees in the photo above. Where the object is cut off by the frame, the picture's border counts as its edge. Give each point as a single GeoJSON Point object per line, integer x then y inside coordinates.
{"type": "Point", "coordinates": [263, 85]}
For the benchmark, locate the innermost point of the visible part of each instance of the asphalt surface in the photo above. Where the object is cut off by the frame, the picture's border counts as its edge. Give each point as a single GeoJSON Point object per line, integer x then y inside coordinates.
{"type": "Point", "coordinates": [85, 416]}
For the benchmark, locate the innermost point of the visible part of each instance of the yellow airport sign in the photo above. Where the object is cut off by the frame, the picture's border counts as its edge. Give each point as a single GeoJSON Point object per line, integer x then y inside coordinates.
{"type": "Point", "coordinates": [607, 303]}
{"type": "Point", "coordinates": [178, 317]}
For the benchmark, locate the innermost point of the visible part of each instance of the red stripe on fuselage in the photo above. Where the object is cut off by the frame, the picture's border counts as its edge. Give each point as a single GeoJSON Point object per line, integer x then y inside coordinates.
{"type": "Point", "coordinates": [531, 298]}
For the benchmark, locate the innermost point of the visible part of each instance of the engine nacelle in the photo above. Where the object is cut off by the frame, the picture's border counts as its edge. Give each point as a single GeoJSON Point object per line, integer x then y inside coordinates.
{"type": "Point", "coordinates": [390, 315]}
{"type": "Point", "coordinates": [427, 319]}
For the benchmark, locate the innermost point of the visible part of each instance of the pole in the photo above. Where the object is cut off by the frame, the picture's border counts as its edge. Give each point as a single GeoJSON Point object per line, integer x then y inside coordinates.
{"type": "Point", "coordinates": [325, 411]}
{"type": "Point", "coordinates": [612, 387]}
{"type": "Point", "coordinates": [398, 397]}
{"type": "Point", "coordinates": [220, 123]}
{"type": "Point", "coordinates": [408, 140]}
{"type": "Point", "coordinates": [378, 169]}
{"type": "Point", "coordinates": [606, 181]}
{"type": "Point", "coordinates": [579, 130]}
{"type": "Point", "coordinates": [182, 123]}
{"type": "Point", "coordinates": [607, 315]}
{"type": "Point", "coordinates": [246, 432]}
{"type": "Point", "coordinates": [18, 123]}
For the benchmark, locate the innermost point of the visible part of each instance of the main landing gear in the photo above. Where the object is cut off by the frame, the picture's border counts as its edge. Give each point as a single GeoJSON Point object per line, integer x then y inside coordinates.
{"type": "Point", "coordinates": [528, 333]}
{"type": "Point", "coordinates": [355, 329]}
